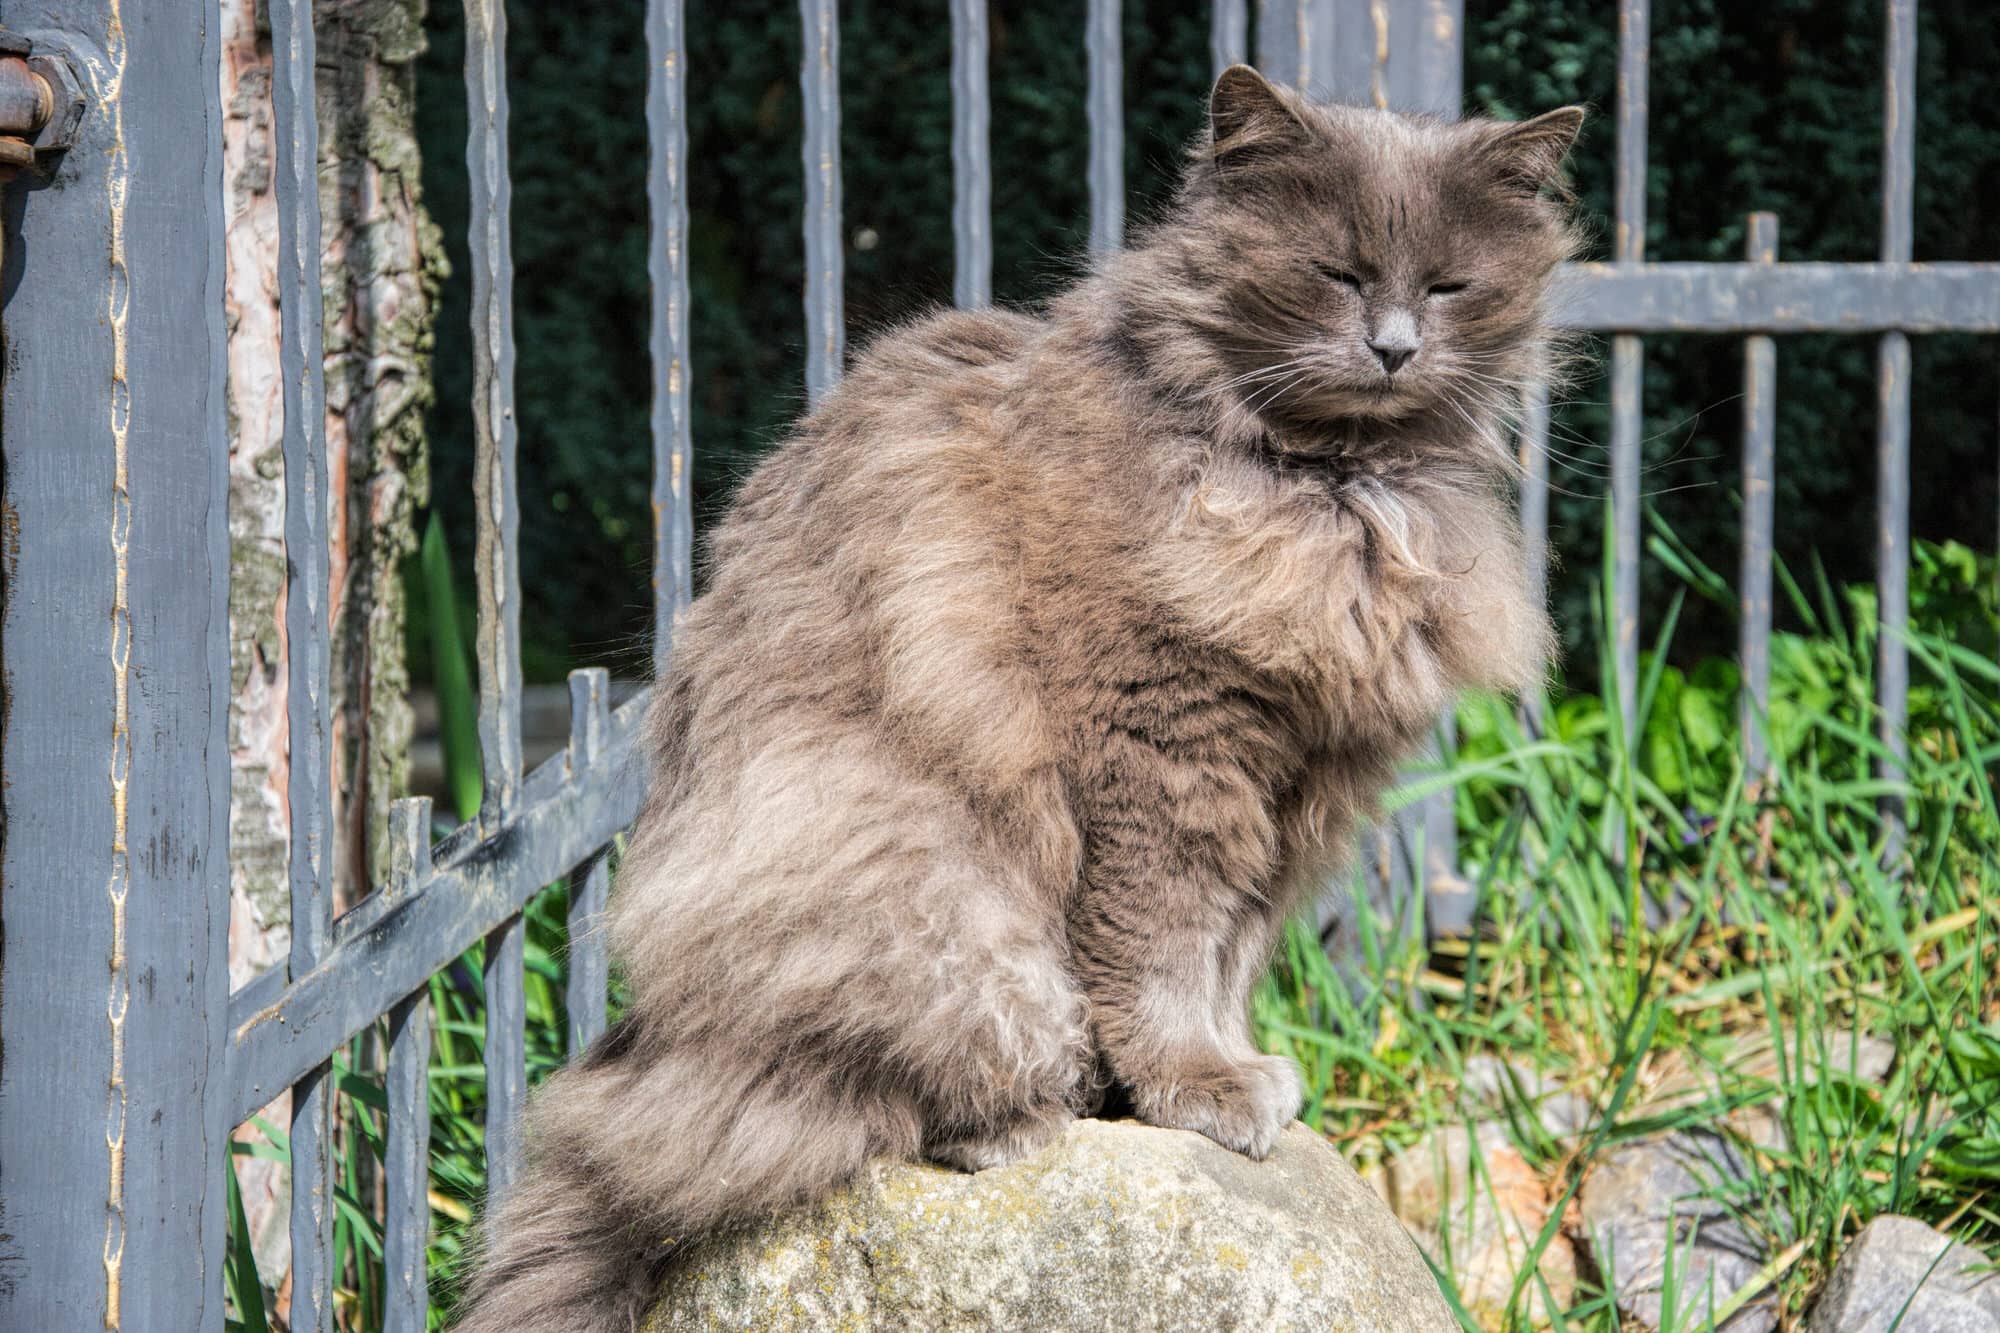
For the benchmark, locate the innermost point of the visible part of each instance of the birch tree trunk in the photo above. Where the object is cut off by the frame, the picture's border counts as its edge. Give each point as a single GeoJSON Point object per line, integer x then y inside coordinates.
{"type": "Point", "coordinates": [381, 266]}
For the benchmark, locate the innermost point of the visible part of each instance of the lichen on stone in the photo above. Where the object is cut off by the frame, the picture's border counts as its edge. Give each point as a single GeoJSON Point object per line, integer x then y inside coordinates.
{"type": "Point", "coordinates": [1117, 1226]}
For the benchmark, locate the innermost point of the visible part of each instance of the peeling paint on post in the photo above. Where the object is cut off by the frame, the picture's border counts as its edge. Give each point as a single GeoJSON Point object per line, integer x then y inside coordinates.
{"type": "Point", "coordinates": [116, 669]}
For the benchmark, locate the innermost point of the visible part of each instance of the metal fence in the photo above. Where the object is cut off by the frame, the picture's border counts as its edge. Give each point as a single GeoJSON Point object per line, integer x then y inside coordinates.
{"type": "Point", "coordinates": [127, 1060]}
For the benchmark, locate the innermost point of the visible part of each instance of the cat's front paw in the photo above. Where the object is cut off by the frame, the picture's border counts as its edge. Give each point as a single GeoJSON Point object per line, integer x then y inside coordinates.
{"type": "Point", "coordinates": [1242, 1105]}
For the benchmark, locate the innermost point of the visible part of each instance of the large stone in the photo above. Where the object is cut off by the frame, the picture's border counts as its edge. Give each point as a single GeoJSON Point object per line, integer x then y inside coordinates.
{"type": "Point", "coordinates": [1948, 1288]}
{"type": "Point", "coordinates": [1117, 1227]}
{"type": "Point", "coordinates": [1670, 1197]}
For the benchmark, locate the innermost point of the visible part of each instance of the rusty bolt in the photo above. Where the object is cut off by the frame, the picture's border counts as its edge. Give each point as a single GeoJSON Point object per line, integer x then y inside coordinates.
{"type": "Point", "coordinates": [25, 98]}
{"type": "Point", "coordinates": [66, 102]}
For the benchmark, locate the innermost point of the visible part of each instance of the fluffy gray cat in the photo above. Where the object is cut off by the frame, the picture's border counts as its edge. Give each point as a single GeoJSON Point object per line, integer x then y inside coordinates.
{"type": "Point", "coordinates": [1045, 669]}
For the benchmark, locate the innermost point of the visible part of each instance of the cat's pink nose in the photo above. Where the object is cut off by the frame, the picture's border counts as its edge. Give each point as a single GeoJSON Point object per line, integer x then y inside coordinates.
{"type": "Point", "coordinates": [1395, 340]}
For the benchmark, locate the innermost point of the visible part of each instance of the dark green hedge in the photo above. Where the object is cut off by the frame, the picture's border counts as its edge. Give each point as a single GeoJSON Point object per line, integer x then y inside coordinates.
{"type": "Point", "coordinates": [1771, 105]}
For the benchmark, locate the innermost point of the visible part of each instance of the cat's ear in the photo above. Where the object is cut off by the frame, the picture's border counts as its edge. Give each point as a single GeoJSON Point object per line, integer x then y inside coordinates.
{"type": "Point", "coordinates": [1250, 119]}
{"type": "Point", "coordinates": [1529, 155]}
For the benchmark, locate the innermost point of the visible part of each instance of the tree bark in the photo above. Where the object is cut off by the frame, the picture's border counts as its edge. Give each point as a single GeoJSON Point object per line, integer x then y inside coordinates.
{"type": "Point", "coordinates": [381, 267]}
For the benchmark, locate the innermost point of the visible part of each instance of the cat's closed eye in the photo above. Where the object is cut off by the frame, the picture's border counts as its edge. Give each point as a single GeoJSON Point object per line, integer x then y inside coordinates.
{"type": "Point", "coordinates": [1335, 274]}
{"type": "Point", "coordinates": [1446, 288]}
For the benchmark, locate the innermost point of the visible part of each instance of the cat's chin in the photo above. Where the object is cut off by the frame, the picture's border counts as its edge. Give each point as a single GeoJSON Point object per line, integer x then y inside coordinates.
{"type": "Point", "coordinates": [1386, 401]}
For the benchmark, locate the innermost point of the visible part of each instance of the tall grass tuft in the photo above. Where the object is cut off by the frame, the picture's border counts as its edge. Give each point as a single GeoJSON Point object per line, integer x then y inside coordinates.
{"type": "Point", "coordinates": [1678, 940]}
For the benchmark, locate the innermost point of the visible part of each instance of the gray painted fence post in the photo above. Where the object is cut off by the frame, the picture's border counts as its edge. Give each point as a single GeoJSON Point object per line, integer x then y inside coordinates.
{"type": "Point", "coordinates": [115, 909]}
{"type": "Point", "coordinates": [1406, 55]}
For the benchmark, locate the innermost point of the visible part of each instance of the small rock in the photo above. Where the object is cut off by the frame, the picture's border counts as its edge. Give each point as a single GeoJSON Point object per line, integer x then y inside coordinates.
{"type": "Point", "coordinates": [1751, 1059]}
{"type": "Point", "coordinates": [1480, 1226]}
{"type": "Point", "coordinates": [1889, 1260]}
{"type": "Point", "coordinates": [1496, 1084]}
{"type": "Point", "coordinates": [1495, 1080]}
{"type": "Point", "coordinates": [1420, 1182]}
{"type": "Point", "coordinates": [1116, 1226]}
{"type": "Point", "coordinates": [1635, 1196]}
{"type": "Point", "coordinates": [1855, 1056]}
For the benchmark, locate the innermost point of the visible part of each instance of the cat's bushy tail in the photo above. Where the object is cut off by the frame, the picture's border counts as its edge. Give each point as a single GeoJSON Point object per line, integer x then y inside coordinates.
{"type": "Point", "coordinates": [632, 1154]}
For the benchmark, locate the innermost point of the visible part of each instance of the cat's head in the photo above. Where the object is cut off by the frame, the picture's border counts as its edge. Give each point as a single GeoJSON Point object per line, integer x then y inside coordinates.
{"type": "Point", "coordinates": [1360, 264]}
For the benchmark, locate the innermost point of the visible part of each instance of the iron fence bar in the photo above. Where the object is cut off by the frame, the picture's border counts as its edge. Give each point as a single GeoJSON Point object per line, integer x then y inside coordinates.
{"type": "Point", "coordinates": [1297, 48]}
{"type": "Point", "coordinates": [1760, 428]}
{"type": "Point", "coordinates": [1381, 65]}
{"type": "Point", "coordinates": [1449, 899]}
{"type": "Point", "coordinates": [1368, 59]}
{"type": "Point", "coordinates": [1629, 185]}
{"type": "Point", "coordinates": [406, 1224]}
{"type": "Point", "coordinates": [1431, 76]}
{"type": "Point", "coordinates": [1228, 34]}
{"type": "Point", "coordinates": [497, 525]}
{"type": "Point", "coordinates": [1627, 395]}
{"type": "Point", "coordinates": [819, 82]}
{"type": "Point", "coordinates": [308, 554]}
{"type": "Point", "coordinates": [1278, 41]}
{"type": "Point", "coordinates": [1779, 298]}
{"type": "Point", "coordinates": [666, 261]}
{"type": "Point", "coordinates": [1892, 488]}
{"type": "Point", "coordinates": [505, 1054]}
{"type": "Point", "coordinates": [587, 990]}
{"type": "Point", "coordinates": [1416, 66]}
{"type": "Point", "coordinates": [1319, 72]}
{"type": "Point", "coordinates": [275, 1035]}
{"type": "Point", "coordinates": [1104, 50]}
{"type": "Point", "coordinates": [116, 661]}
{"type": "Point", "coordinates": [1534, 463]}
{"type": "Point", "coordinates": [543, 784]}
{"type": "Point", "coordinates": [497, 516]}
{"type": "Point", "coordinates": [1627, 358]}
{"type": "Point", "coordinates": [588, 982]}
{"type": "Point", "coordinates": [406, 1087]}
{"type": "Point", "coordinates": [971, 164]}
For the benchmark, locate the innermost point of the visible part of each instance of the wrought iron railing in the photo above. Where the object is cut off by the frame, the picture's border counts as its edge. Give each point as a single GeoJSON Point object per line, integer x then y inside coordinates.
{"type": "Point", "coordinates": [127, 1061]}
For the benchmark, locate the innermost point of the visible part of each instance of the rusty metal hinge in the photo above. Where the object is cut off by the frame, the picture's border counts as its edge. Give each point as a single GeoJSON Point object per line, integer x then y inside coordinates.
{"type": "Point", "coordinates": [41, 104]}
